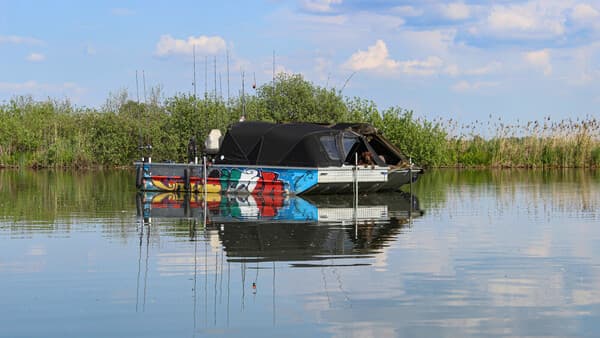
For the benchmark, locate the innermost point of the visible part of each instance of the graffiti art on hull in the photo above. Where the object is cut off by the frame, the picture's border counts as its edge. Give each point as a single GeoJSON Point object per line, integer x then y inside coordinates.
{"type": "Point", "coordinates": [252, 181]}
{"type": "Point", "coordinates": [239, 180]}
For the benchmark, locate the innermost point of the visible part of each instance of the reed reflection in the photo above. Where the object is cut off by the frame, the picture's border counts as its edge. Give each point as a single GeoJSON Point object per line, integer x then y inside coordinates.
{"type": "Point", "coordinates": [571, 191]}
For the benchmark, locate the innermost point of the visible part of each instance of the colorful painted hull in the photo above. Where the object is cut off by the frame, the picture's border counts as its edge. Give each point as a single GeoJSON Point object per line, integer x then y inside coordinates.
{"type": "Point", "coordinates": [263, 180]}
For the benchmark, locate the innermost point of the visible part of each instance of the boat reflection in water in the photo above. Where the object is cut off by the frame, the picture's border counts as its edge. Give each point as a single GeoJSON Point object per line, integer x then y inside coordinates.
{"type": "Point", "coordinates": [285, 228]}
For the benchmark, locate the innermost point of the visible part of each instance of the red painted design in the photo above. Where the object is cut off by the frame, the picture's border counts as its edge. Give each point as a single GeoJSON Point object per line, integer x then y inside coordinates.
{"type": "Point", "coordinates": [268, 184]}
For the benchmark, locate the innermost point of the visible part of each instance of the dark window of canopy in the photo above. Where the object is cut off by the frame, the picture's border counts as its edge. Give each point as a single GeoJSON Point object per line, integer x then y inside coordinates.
{"type": "Point", "coordinates": [330, 146]}
{"type": "Point", "coordinates": [350, 142]}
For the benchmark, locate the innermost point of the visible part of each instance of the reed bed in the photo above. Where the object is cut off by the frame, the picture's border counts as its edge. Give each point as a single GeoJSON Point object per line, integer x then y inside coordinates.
{"type": "Point", "coordinates": [532, 144]}
{"type": "Point", "coordinates": [57, 134]}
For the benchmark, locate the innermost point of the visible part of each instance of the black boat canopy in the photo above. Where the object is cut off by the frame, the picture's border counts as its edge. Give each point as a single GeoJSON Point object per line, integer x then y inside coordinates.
{"type": "Point", "coordinates": [303, 145]}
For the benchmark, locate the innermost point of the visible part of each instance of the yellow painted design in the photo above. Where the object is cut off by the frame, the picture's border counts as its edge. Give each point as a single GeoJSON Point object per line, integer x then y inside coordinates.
{"type": "Point", "coordinates": [210, 188]}
{"type": "Point", "coordinates": [172, 186]}
{"type": "Point", "coordinates": [180, 186]}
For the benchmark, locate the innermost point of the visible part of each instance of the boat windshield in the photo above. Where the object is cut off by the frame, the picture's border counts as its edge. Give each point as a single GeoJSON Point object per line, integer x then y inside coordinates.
{"type": "Point", "coordinates": [328, 142]}
{"type": "Point", "coordinates": [349, 141]}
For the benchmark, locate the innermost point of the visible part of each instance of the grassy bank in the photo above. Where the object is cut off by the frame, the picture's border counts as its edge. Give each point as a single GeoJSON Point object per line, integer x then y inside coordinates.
{"type": "Point", "coordinates": [58, 134]}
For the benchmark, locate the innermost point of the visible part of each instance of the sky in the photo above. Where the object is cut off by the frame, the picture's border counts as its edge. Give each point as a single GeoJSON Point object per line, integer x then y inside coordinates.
{"type": "Point", "coordinates": [465, 60]}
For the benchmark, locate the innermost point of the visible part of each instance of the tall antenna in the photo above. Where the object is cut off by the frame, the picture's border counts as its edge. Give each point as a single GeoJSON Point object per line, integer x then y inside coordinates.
{"type": "Point", "coordinates": [215, 97]}
{"type": "Point", "coordinates": [243, 100]}
{"type": "Point", "coordinates": [194, 83]}
{"type": "Point", "coordinates": [228, 75]}
{"type": "Point", "coordinates": [195, 97]}
{"type": "Point", "coordinates": [137, 87]}
{"type": "Point", "coordinates": [141, 141]}
{"type": "Point", "coordinates": [220, 87]}
{"type": "Point", "coordinates": [273, 84]}
{"type": "Point", "coordinates": [206, 93]}
{"type": "Point", "coordinates": [205, 77]}
{"type": "Point", "coordinates": [215, 75]}
{"type": "Point", "coordinates": [144, 81]}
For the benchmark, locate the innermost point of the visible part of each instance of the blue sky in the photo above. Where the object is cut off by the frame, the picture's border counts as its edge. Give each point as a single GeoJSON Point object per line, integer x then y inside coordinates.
{"type": "Point", "coordinates": [465, 60]}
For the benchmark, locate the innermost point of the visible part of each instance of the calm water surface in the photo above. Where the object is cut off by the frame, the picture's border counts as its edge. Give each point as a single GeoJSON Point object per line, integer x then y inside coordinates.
{"type": "Point", "coordinates": [469, 253]}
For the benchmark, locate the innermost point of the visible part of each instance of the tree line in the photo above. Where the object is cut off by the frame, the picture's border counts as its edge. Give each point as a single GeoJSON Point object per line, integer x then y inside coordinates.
{"type": "Point", "coordinates": [58, 134]}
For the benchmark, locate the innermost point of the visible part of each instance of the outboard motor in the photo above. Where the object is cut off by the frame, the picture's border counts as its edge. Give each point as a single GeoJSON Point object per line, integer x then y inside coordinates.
{"type": "Point", "coordinates": [213, 142]}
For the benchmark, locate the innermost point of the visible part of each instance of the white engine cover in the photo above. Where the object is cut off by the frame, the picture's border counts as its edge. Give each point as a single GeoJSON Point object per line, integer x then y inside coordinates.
{"type": "Point", "coordinates": [213, 141]}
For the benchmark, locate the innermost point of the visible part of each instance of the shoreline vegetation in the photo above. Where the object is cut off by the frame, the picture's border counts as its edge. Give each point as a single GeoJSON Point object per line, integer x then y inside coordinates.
{"type": "Point", "coordinates": [56, 134]}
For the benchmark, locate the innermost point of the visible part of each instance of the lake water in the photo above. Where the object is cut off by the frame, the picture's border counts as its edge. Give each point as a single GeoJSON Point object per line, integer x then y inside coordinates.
{"type": "Point", "coordinates": [468, 254]}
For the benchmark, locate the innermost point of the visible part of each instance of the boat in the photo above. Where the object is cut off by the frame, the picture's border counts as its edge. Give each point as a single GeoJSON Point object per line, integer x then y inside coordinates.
{"type": "Point", "coordinates": [264, 158]}
{"type": "Point", "coordinates": [285, 228]}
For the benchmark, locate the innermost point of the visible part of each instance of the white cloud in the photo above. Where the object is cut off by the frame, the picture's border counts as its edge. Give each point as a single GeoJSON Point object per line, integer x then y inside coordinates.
{"type": "Point", "coordinates": [503, 18]}
{"type": "Point", "coordinates": [455, 11]}
{"type": "Point", "coordinates": [540, 59]}
{"type": "Point", "coordinates": [18, 40]}
{"type": "Point", "coordinates": [428, 66]}
{"type": "Point", "coordinates": [465, 86]}
{"type": "Point", "coordinates": [334, 31]}
{"type": "Point", "coordinates": [531, 20]}
{"type": "Point", "coordinates": [376, 58]}
{"type": "Point", "coordinates": [167, 45]}
{"type": "Point", "coordinates": [36, 57]}
{"type": "Point", "coordinates": [319, 6]}
{"type": "Point", "coordinates": [583, 14]}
